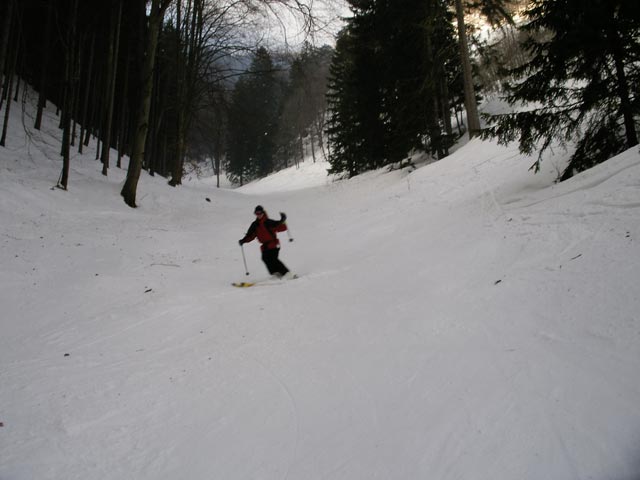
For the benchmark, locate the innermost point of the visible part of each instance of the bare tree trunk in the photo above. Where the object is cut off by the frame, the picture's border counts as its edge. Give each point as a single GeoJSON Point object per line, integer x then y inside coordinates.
{"type": "Point", "coordinates": [91, 120]}
{"type": "Point", "coordinates": [473, 119]}
{"type": "Point", "coordinates": [218, 138]}
{"type": "Point", "coordinates": [69, 95]}
{"type": "Point", "coordinates": [446, 110]}
{"type": "Point", "coordinates": [124, 117]}
{"type": "Point", "coordinates": [10, 73]}
{"type": "Point", "coordinates": [7, 109]}
{"type": "Point", "coordinates": [76, 87]}
{"type": "Point", "coordinates": [181, 52]}
{"type": "Point", "coordinates": [431, 107]}
{"type": "Point", "coordinates": [98, 127]}
{"type": "Point", "coordinates": [17, 90]}
{"type": "Point", "coordinates": [112, 68]}
{"type": "Point", "coordinates": [319, 126]}
{"type": "Point", "coordinates": [156, 115]}
{"type": "Point", "coordinates": [123, 137]}
{"type": "Point", "coordinates": [158, 8]}
{"type": "Point", "coordinates": [87, 89]}
{"type": "Point", "coordinates": [313, 148]}
{"type": "Point", "coordinates": [188, 62]}
{"type": "Point", "coordinates": [46, 41]}
{"type": "Point", "coordinates": [4, 47]}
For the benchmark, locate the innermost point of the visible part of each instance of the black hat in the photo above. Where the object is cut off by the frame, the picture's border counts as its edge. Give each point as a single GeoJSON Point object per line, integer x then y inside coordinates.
{"type": "Point", "coordinates": [258, 209]}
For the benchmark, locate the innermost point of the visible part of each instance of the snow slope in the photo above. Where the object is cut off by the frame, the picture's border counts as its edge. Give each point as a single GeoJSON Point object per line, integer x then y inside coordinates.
{"type": "Point", "coordinates": [469, 320]}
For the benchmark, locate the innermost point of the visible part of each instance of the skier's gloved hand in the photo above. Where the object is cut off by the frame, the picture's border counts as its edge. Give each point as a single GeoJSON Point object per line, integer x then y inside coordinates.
{"type": "Point", "coordinates": [283, 216]}
{"type": "Point", "coordinates": [241, 241]}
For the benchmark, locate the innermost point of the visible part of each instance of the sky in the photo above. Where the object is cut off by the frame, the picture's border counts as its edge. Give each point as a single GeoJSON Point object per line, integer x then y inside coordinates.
{"type": "Point", "coordinates": [287, 26]}
{"type": "Point", "coordinates": [464, 319]}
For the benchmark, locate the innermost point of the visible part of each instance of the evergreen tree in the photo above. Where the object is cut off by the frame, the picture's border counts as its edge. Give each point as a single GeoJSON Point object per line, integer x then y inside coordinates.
{"type": "Point", "coordinates": [389, 82]}
{"type": "Point", "coordinates": [239, 138]}
{"type": "Point", "coordinates": [267, 95]}
{"type": "Point", "coordinates": [343, 124]}
{"type": "Point", "coordinates": [253, 121]}
{"type": "Point", "coordinates": [423, 64]}
{"type": "Point", "coordinates": [581, 81]}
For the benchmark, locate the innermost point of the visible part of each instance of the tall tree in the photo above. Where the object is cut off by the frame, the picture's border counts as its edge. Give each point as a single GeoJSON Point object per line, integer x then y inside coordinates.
{"type": "Point", "coordinates": [10, 62]}
{"type": "Point", "coordinates": [112, 69]}
{"type": "Point", "coordinates": [253, 121]}
{"type": "Point", "coordinates": [471, 106]}
{"type": "Point", "coordinates": [84, 119]}
{"type": "Point", "coordinates": [386, 83]}
{"type": "Point", "coordinates": [70, 85]}
{"type": "Point", "coordinates": [4, 47]}
{"type": "Point", "coordinates": [154, 21]}
{"type": "Point", "coordinates": [46, 45]}
{"type": "Point", "coordinates": [495, 11]}
{"type": "Point", "coordinates": [191, 41]}
{"type": "Point", "coordinates": [342, 99]}
{"type": "Point", "coordinates": [581, 82]}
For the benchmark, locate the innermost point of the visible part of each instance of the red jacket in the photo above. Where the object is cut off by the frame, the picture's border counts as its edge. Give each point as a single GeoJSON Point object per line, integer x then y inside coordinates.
{"type": "Point", "coordinates": [264, 229]}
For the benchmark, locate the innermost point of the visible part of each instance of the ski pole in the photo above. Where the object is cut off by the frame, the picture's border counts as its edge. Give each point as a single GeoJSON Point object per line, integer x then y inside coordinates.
{"type": "Point", "coordinates": [283, 220]}
{"type": "Point", "coordinates": [244, 260]}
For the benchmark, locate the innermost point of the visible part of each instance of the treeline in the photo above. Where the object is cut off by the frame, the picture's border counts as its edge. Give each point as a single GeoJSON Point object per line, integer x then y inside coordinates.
{"type": "Point", "coordinates": [151, 79]}
{"type": "Point", "coordinates": [277, 113]}
{"type": "Point", "coordinates": [402, 80]}
{"type": "Point", "coordinates": [395, 83]}
{"type": "Point", "coordinates": [162, 81]}
{"type": "Point", "coordinates": [402, 74]}
{"type": "Point", "coordinates": [92, 59]}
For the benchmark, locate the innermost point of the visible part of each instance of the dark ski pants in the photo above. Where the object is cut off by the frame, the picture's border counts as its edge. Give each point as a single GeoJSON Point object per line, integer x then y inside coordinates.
{"type": "Point", "coordinates": [270, 259]}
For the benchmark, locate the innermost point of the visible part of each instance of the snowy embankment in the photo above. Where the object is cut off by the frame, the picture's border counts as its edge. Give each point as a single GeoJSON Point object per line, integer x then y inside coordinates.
{"type": "Point", "coordinates": [466, 320]}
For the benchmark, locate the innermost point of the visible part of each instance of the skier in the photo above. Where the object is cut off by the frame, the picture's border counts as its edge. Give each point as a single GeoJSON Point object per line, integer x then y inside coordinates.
{"type": "Point", "coordinates": [264, 229]}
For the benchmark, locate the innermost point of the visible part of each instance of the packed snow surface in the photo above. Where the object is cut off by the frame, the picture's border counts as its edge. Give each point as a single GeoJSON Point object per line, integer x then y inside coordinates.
{"type": "Point", "coordinates": [466, 320]}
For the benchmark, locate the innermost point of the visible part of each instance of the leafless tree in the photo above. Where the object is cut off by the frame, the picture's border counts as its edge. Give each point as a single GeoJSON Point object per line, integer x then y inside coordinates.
{"type": "Point", "coordinates": [155, 18]}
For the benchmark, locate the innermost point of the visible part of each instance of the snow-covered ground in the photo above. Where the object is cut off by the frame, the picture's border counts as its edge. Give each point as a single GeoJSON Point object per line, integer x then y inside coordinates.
{"type": "Point", "coordinates": [468, 320]}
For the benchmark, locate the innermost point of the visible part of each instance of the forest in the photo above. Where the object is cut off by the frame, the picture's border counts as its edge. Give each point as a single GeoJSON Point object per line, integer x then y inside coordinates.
{"type": "Point", "coordinates": [164, 82]}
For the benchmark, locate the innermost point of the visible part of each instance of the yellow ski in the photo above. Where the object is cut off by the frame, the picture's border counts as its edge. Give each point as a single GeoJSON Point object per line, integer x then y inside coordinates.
{"type": "Point", "coordinates": [265, 283]}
